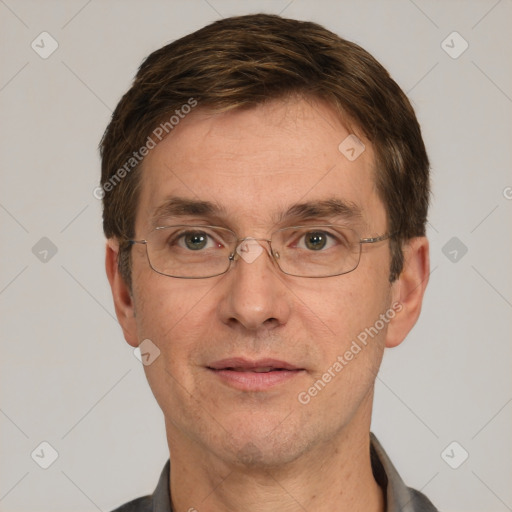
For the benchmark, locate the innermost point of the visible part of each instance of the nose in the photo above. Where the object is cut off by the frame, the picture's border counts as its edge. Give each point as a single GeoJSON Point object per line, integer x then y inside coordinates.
{"type": "Point", "coordinates": [254, 296]}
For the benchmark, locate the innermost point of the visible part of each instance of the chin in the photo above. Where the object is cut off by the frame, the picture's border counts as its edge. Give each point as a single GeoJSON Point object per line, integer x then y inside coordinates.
{"type": "Point", "coordinates": [266, 444]}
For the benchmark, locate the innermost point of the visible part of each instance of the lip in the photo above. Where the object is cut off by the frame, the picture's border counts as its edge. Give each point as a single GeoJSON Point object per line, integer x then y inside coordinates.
{"type": "Point", "coordinates": [240, 373]}
{"type": "Point", "coordinates": [248, 365]}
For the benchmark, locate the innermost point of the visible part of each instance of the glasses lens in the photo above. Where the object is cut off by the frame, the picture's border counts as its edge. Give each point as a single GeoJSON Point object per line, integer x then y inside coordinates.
{"type": "Point", "coordinates": [190, 251]}
{"type": "Point", "coordinates": [316, 251]}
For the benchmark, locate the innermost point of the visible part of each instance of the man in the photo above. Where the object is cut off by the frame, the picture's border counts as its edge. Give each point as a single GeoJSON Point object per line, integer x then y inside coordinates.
{"type": "Point", "coordinates": [265, 198]}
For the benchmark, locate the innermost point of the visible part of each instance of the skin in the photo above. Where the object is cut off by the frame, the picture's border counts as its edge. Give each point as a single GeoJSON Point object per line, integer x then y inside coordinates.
{"type": "Point", "coordinates": [265, 451]}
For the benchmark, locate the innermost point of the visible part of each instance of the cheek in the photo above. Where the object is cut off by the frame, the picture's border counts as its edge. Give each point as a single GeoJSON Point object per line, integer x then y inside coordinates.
{"type": "Point", "coordinates": [351, 349]}
{"type": "Point", "coordinates": [341, 307]}
{"type": "Point", "coordinates": [174, 314]}
{"type": "Point", "coordinates": [350, 338]}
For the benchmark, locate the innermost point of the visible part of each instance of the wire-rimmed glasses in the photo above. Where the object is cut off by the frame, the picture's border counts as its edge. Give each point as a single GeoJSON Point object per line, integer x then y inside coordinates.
{"type": "Point", "coordinates": [199, 251]}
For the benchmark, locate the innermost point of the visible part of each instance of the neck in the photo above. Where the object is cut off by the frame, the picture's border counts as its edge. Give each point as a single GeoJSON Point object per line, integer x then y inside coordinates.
{"type": "Point", "coordinates": [334, 476]}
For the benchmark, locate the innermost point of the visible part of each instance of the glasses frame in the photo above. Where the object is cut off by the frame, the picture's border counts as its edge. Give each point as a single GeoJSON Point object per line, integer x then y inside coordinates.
{"type": "Point", "coordinates": [273, 255]}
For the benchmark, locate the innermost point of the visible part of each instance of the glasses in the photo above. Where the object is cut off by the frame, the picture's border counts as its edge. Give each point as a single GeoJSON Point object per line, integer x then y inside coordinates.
{"type": "Point", "coordinates": [199, 252]}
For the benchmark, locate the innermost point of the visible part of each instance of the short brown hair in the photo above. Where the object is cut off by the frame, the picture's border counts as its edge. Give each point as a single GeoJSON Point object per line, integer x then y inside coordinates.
{"type": "Point", "coordinates": [244, 61]}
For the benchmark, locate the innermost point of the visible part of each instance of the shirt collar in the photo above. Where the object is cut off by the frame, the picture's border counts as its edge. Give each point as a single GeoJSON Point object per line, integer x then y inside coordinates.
{"type": "Point", "coordinates": [398, 495]}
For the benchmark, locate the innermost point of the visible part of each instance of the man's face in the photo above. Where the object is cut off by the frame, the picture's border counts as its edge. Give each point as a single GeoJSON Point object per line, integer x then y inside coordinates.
{"type": "Point", "coordinates": [254, 165]}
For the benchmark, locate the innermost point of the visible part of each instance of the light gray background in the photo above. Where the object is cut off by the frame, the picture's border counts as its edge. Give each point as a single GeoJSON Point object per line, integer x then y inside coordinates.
{"type": "Point", "coordinates": [68, 377]}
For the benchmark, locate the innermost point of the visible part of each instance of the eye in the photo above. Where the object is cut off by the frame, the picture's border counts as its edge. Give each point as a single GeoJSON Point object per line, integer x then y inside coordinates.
{"type": "Point", "coordinates": [194, 240]}
{"type": "Point", "coordinates": [316, 241]}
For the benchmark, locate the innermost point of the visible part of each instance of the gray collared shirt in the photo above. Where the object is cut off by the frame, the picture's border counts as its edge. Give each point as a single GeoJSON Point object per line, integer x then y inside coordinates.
{"type": "Point", "coordinates": [399, 497]}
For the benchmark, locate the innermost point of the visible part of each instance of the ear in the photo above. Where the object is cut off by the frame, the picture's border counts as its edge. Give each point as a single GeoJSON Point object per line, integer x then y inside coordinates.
{"type": "Point", "coordinates": [408, 290]}
{"type": "Point", "coordinates": [123, 299]}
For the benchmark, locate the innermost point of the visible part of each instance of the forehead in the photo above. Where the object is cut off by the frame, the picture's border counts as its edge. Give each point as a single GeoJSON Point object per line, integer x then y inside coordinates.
{"type": "Point", "coordinates": [255, 164]}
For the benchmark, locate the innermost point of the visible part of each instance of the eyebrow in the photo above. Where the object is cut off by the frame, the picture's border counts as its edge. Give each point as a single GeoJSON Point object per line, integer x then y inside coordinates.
{"type": "Point", "coordinates": [332, 207]}
{"type": "Point", "coordinates": [181, 207]}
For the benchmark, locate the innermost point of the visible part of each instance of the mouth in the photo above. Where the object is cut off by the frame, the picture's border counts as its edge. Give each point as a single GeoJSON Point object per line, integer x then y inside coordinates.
{"type": "Point", "coordinates": [264, 369]}
{"type": "Point", "coordinates": [257, 375]}
{"type": "Point", "coordinates": [239, 364]}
